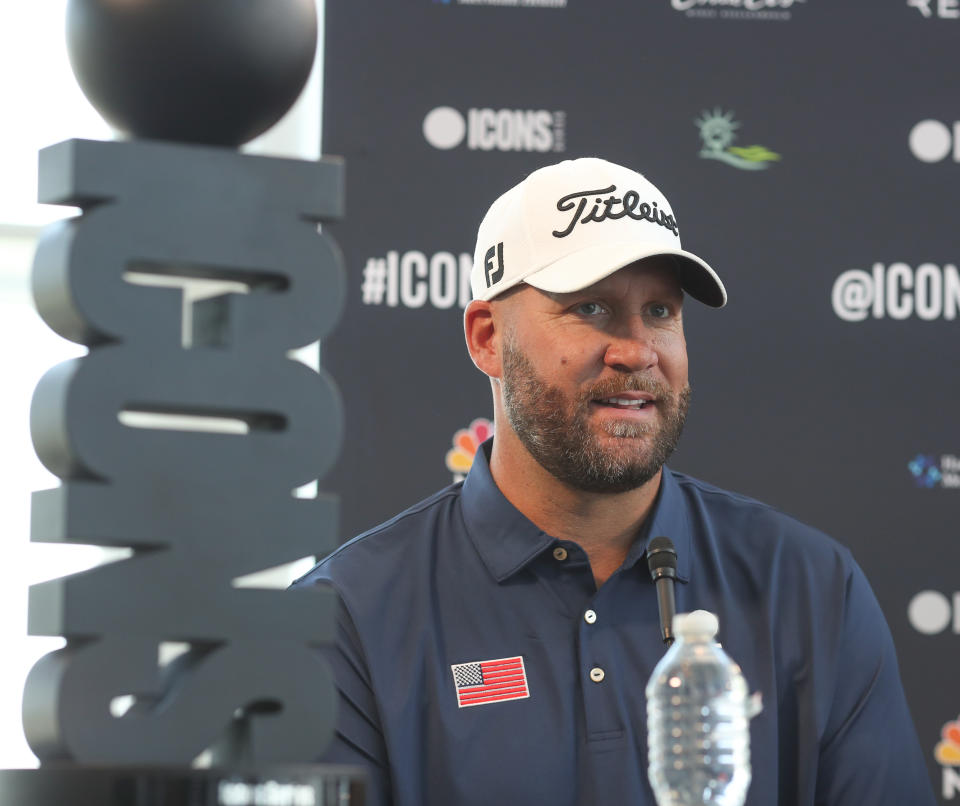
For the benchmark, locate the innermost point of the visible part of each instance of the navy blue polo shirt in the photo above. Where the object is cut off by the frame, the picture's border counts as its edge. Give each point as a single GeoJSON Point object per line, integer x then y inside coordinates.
{"type": "Point", "coordinates": [478, 663]}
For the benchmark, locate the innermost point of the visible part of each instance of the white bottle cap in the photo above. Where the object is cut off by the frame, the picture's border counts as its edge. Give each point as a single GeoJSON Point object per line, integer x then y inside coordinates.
{"type": "Point", "coordinates": [698, 625]}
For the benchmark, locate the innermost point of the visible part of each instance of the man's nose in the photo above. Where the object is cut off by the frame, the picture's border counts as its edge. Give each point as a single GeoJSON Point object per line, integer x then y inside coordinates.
{"type": "Point", "coordinates": [631, 348]}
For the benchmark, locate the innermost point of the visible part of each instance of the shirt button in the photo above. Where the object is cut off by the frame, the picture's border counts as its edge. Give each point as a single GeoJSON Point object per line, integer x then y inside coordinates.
{"type": "Point", "coordinates": [590, 616]}
{"type": "Point", "coordinates": [596, 674]}
{"type": "Point", "coordinates": [560, 553]}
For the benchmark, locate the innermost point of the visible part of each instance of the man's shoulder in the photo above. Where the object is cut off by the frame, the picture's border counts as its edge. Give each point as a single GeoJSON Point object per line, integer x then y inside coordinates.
{"type": "Point", "coordinates": [395, 541]}
{"type": "Point", "coordinates": [754, 523]}
{"type": "Point", "coordinates": [690, 485]}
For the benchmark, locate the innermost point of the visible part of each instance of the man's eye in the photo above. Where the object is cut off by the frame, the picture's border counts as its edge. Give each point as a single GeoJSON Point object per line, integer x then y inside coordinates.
{"type": "Point", "coordinates": [590, 308]}
{"type": "Point", "coordinates": [659, 311]}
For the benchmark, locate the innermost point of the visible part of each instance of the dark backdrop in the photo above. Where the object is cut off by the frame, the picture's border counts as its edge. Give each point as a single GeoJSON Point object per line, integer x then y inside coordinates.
{"type": "Point", "coordinates": [812, 390]}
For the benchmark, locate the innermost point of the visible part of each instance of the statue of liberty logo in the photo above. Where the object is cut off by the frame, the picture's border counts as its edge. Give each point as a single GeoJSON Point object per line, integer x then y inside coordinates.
{"type": "Point", "coordinates": [718, 131]}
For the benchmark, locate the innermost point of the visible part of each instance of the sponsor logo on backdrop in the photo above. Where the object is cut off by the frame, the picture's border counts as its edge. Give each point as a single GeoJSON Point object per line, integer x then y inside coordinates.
{"type": "Point", "coordinates": [931, 613]}
{"type": "Point", "coordinates": [466, 442]}
{"type": "Point", "coordinates": [933, 141]}
{"type": "Point", "coordinates": [898, 291]}
{"type": "Point", "coordinates": [496, 129]}
{"type": "Point", "coordinates": [414, 279]}
{"type": "Point", "coordinates": [935, 471]}
{"type": "Point", "coordinates": [718, 131]}
{"type": "Point", "coordinates": [515, 3]}
{"type": "Point", "coordinates": [770, 10]}
{"type": "Point", "coordinates": [947, 754]}
{"type": "Point", "coordinates": [944, 9]}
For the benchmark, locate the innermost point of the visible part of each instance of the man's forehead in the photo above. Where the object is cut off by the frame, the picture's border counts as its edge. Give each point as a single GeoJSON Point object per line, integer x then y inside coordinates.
{"type": "Point", "coordinates": [653, 274]}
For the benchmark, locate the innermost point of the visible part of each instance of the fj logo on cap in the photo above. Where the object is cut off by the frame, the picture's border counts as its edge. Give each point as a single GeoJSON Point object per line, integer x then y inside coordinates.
{"type": "Point", "coordinates": [494, 273]}
{"type": "Point", "coordinates": [606, 209]}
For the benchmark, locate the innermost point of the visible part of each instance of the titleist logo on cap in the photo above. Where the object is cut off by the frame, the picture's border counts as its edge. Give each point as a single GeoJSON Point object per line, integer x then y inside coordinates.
{"type": "Point", "coordinates": [606, 209]}
{"type": "Point", "coordinates": [567, 226]}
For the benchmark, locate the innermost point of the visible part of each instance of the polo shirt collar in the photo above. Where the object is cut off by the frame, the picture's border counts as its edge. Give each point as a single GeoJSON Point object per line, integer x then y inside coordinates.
{"type": "Point", "coordinates": [504, 537]}
{"type": "Point", "coordinates": [507, 540]}
{"type": "Point", "coordinates": [668, 518]}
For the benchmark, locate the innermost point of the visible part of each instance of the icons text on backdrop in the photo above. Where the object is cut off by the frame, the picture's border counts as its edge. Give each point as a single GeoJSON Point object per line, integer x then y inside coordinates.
{"type": "Point", "coordinates": [897, 291]}
{"type": "Point", "coordinates": [534, 130]}
{"type": "Point", "coordinates": [415, 279]}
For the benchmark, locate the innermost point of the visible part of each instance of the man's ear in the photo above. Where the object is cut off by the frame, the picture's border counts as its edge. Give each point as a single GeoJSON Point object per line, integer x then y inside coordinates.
{"type": "Point", "coordinates": [481, 327]}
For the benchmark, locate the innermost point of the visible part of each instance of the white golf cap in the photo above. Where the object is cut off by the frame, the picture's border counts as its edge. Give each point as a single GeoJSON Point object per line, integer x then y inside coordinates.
{"type": "Point", "coordinates": [569, 225]}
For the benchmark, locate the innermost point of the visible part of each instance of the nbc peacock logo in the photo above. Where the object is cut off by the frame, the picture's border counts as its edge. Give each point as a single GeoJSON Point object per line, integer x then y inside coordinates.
{"type": "Point", "coordinates": [947, 753]}
{"type": "Point", "coordinates": [465, 444]}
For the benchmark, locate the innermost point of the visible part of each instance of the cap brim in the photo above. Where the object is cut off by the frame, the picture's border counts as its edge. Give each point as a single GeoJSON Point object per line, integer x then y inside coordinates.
{"type": "Point", "coordinates": [588, 266]}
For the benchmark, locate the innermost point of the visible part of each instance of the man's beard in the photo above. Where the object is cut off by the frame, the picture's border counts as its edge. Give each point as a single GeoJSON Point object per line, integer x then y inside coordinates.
{"type": "Point", "coordinates": [554, 429]}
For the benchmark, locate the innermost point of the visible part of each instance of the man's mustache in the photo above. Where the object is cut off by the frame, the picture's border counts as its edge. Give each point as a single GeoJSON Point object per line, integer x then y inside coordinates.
{"type": "Point", "coordinates": [632, 383]}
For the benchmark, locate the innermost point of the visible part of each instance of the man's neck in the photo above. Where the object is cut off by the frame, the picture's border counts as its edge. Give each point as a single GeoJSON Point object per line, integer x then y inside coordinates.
{"type": "Point", "coordinates": [605, 525]}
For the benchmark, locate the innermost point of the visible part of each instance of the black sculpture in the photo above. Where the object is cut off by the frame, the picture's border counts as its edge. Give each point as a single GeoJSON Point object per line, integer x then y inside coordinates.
{"type": "Point", "coordinates": [199, 509]}
{"type": "Point", "coordinates": [217, 71]}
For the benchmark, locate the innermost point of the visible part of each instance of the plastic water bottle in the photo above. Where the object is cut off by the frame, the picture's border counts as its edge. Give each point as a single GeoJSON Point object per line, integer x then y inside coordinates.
{"type": "Point", "coordinates": [698, 720]}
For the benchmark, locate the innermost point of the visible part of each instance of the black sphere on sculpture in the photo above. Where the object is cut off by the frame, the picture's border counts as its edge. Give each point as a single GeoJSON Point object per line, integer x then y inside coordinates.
{"type": "Point", "coordinates": [218, 72]}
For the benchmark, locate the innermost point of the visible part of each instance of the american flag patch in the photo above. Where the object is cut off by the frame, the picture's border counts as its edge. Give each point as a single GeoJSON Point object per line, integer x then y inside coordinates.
{"type": "Point", "coordinates": [486, 681]}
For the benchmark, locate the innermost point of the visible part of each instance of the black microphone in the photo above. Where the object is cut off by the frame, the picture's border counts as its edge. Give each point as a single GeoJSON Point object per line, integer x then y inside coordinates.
{"type": "Point", "coordinates": [662, 562]}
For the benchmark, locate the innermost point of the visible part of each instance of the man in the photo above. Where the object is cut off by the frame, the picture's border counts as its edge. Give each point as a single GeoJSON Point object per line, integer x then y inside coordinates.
{"type": "Point", "coordinates": [495, 639]}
